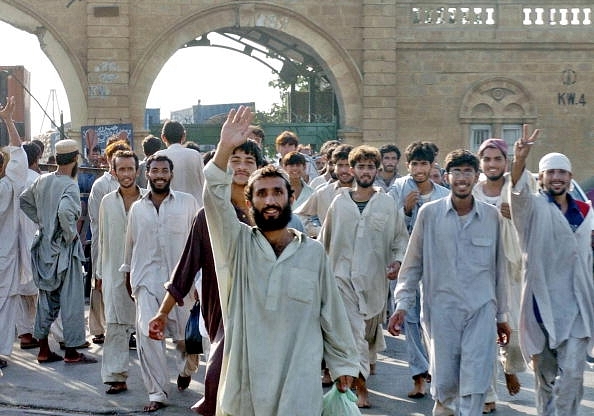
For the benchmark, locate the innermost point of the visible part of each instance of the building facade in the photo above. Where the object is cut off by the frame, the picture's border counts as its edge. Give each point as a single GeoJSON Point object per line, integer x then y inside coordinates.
{"type": "Point", "coordinates": [453, 72]}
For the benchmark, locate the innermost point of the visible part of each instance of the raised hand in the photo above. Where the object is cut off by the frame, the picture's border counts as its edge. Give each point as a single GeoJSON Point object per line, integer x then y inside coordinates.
{"type": "Point", "coordinates": [522, 146]}
{"type": "Point", "coordinates": [7, 110]}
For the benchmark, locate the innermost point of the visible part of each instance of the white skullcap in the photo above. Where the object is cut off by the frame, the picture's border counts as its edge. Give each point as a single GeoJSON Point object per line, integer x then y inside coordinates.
{"type": "Point", "coordinates": [66, 146]}
{"type": "Point", "coordinates": [554, 161]}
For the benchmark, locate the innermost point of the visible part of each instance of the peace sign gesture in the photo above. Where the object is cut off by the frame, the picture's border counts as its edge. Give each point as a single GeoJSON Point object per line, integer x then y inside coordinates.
{"type": "Point", "coordinates": [522, 146]}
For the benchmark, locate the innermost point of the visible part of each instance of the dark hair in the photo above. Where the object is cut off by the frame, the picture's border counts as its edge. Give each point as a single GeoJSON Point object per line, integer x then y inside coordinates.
{"type": "Point", "coordinates": [364, 152]}
{"type": "Point", "coordinates": [250, 147]}
{"type": "Point", "coordinates": [40, 144]}
{"type": "Point", "coordinates": [33, 152]}
{"type": "Point", "coordinates": [151, 145]}
{"type": "Point", "coordinates": [257, 131]}
{"type": "Point", "coordinates": [192, 145]}
{"type": "Point", "coordinates": [461, 157]}
{"type": "Point", "coordinates": [207, 156]}
{"type": "Point", "coordinates": [268, 171]}
{"type": "Point", "coordinates": [114, 147]}
{"type": "Point", "coordinates": [124, 154]}
{"type": "Point", "coordinates": [328, 147]}
{"type": "Point", "coordinates": [173, 131]}
{"type": "Point", "coordinates": [66, 158]}
{"type": "Point", "coordinates": [158, 158]}
{"type": "Point", "coordinates": [293, 158]}
{"type": "Point", "coordinates": [341, 152]}
{"type": "Point", "coordinates": [420, 151]}
{"type": "Point", "coordinates": [388, 148]}
{"type": "Point", "coordinates": [286, 137]}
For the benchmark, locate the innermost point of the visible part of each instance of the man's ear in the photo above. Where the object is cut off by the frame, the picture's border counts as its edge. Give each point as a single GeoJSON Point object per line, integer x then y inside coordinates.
{"type": "Point", "coordinates": [248, 203]}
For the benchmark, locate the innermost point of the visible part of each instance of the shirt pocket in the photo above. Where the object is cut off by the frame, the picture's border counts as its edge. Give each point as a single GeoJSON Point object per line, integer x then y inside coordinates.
{"type": "Point", "coordinates": [300, 288]}
{"type": "Point", "coordinates": [378, 221]}
{"type": "Point", "coordinates": [481, 249]}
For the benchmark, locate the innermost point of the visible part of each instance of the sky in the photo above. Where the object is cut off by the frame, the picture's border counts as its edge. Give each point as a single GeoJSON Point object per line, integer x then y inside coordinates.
{"type": "Point", "coordinates": [209, 74]}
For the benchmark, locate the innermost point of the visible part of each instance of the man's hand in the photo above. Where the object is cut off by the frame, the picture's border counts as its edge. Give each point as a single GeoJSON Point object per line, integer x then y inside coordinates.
{"type": "Point", "coordinates": [392, 270]}
{"type": "Point", "coordinates": [503, 333]}
{"type": "Point", "coordinates": [522, 146]}
{"type": "Point", "coordinates": [505, 211]}
{"type": "Point", "coordinates": [157, 325]}
{"type": "Point", "coordinates": [396, 322]}
{"type": "Point", "coordinates": [7, 110]}
{"type": "Point", "coordinates": [234, 132]}
{"type": "Point", "coordinates": [410, 201]}
{"type": "Point", "coordinates": [343, 383]}
{"type": "Point", "coordinates": [98, 284]}
{"type": "Point", "coordinates": [521, 151]}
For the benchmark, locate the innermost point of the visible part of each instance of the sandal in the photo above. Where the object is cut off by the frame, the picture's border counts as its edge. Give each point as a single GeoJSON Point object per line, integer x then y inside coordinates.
{"type": "Point", "coordinates": [87, 344]}
{"type": "Point", "coordinates": [98, 339]}
{"type": "Point", "coordinates": [183, 382]}
{"type": "Point", "coordinates": [52, 358]}
{"type": "Point", "coordinates": [81, 359]}
{"type": "Point", "coordinates": [116, 388]}
{"type": "Point", "coordinates": [153, 407]}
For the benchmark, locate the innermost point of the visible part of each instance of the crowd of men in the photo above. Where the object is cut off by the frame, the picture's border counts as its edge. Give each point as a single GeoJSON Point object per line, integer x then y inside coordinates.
{"type": "Point", "coordinates": [298, 269]}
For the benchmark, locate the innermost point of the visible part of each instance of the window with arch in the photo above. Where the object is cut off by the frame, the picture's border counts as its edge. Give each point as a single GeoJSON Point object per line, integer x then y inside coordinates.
{"type": "Point", "coordinates": [497, 107]}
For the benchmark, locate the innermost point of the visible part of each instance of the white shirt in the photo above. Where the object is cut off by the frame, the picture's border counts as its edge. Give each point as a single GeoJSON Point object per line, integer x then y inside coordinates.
{"type": "Point", "coordinates": [187, 170]}
{"type": "Point", "coordinates": [155, 239]}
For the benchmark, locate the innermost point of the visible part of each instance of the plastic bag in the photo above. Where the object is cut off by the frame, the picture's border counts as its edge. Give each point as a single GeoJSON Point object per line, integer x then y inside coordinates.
{"type": "Point", "coordinates": [336, 403]}
{"type": "Point", "coordinates": [193, 337]}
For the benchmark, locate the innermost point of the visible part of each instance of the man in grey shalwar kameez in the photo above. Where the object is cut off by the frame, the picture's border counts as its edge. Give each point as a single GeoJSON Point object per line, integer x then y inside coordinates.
{"type": "Point", "coordinates": [456, 252]}
{"type": "Point", "coordinates": [53, 203]}
{"type": "Point", "coordinates": [557, 309]}
{"type": "Point", "coordinates": [281, 308]}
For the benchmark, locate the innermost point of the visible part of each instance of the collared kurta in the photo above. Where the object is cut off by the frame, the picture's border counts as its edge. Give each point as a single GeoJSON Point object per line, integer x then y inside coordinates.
{"type": "Point", "coordinates": [460, 264]}
{"type": "Point", "coordinates": [113, 220]}
{"type": "Point", "coordinates": [155, 240]}
{"type": "Point", "coordinates": [187, 170]}
{"type": "Point", "coordinates": [120, 312]}
{"type": "Point", "coordinates": [313, 211]}
{"type": "Point", "coordinates": [11, 186]}
{"type": "Point", "coordinates": [53, 202]}
{"type": "Point", "coordinates": [511, 357]}
{"type": "Point", "coordinates": [282, 315]}
{"type": "Point", "coordinates": [557, 271]}
{"type": "Point", "coordinates": [360, 246]}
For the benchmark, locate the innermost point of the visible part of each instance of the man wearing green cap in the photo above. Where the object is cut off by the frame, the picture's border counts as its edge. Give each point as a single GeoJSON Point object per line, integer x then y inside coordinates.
{"type": "Point", "coordinates": [557, 312]}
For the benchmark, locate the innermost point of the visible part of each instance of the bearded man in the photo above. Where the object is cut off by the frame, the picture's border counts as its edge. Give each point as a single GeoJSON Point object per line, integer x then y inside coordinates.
{"type": "Point", "coordinates": [53, 203]}
{"type": "Point", "coordinates": [281, 308]}
{"type": "Point", "coordinates": [158, 226]}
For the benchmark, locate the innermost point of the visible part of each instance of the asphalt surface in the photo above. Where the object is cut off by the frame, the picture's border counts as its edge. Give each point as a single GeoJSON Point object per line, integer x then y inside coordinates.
{"type": "Point", "coordinates": [28, 388]}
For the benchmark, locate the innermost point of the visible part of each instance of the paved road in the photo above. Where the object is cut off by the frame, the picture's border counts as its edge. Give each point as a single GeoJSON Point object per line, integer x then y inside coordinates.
{"type": "Point", "coordinates": [28, 388]}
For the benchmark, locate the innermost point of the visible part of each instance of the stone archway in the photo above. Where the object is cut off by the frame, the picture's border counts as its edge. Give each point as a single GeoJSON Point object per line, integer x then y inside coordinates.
{"type": "Point", "coordinates": [342, 72]}
{"type": "Point", "coordinates": [64, 60]}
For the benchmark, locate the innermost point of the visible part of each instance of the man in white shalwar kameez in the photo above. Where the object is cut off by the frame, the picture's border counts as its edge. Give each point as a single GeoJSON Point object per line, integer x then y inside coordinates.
{"type": "Point", "coordinates": [494, 190]}
{"type": "Point", "coordinates": [158, 226]}
{"type": "Point", "coordinates": [313, 211]}
{"type": "Point", "coordinates": [53, 203]}
{"type": "Point", "coordinates": [13, 174]}
{"type": "Point", "coordinates": [281, 307]}
{"type": "Point", "coordinates": [365, 237]}
{"type": "Point", "coordinates": [120, 312]}
{"type": "Point", "coordinates": [557, 309]}
{"type": "Point", "coordinates": [456, 253]}
{"type": "Point", "coordinates": [103, 185]}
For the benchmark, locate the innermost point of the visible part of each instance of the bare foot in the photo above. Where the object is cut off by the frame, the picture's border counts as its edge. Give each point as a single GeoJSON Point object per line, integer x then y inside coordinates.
{"type": "Point", "coordinates": [362, 394]}
{"type": "Point", "coordinates": [418, 391]}
{"type": "Point", "coordinates": [326, 379]}
{"type": "Point", "coordinates": [489, 407]}
{"type": "Point", "coordinates": [153, 407]}
{"type": "Point", "coordinates": [513, 384]}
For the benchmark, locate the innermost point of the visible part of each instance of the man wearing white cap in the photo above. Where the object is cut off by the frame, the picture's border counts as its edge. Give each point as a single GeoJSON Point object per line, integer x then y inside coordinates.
{"type": "Point", "coordinates": [53, 203]}
{"type": "Point", "coordinates": [557, 309]}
